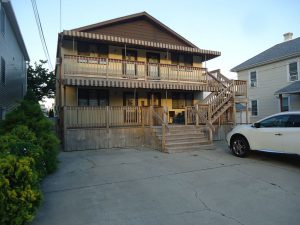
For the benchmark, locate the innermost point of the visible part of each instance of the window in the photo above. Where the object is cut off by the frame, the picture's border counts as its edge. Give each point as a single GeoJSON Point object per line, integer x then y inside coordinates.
{"type": "Point", "coordinates": [254, 108]}
{"type": "Point", "coordinates": [83, 49]}
{"type": "Point", "coordinates": [3, 78]}
{"type": "Point", "coordinates": [285, 104]}
{"type": "Point", "coordinates": [92, 97]}
{"type": "Point", "coordinates": [293, 71]}
{"type": "Point", "coordinates": [103, 51]}
{"type": "Point", "coordinates": [294, 121]}
{"type": "Point", "coordinates": [3, 22]}
{"type": "Point", "coordinates": [181, 100]}
{"type": "Point", "coordinates": [129, 99]}
{"type": "Point", "coordinates": [253, 79]}
{"type": "Point", "coordinates": [276, 121]}
{"type": "Point", "coordinates": [182, 59]}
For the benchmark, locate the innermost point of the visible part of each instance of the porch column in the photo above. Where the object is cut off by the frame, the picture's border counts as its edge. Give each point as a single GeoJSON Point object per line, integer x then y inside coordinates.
{"type": "Point", "coordinates": [281, 103]}
{"type": "Point", "coordinates": [234, 113]}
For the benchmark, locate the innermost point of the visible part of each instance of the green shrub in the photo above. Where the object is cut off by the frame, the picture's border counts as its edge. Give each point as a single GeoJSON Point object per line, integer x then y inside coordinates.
{"type": "Point", "coordinates": [30, 114]}
{"type": "Point", "coordinates": [22, 142]}
{"type": "Point", "coordinates": [20, 196]}
{"type": "Point", "coordinates": [50, 145]}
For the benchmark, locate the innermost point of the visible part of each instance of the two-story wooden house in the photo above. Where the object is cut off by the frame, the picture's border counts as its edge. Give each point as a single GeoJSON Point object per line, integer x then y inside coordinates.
{"type": "Point", "coordinates": [126, 81]}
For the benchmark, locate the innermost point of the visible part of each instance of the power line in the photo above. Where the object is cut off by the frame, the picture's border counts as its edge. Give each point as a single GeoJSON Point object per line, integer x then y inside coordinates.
{"type": "Point", "coordinates": [41, 33]}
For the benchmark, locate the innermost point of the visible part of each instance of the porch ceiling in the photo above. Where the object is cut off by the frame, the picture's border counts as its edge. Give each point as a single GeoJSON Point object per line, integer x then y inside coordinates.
{"type": "Point", "coordinates": [98, 82]}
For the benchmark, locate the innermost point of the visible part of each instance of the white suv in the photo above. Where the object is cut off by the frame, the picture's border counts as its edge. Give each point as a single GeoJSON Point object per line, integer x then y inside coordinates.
{"type": "Point", "coordinates": [276, 133]}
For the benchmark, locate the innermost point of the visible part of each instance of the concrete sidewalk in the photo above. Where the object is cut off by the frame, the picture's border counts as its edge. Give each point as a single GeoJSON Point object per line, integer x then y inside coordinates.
{"type": "Point", "coordinates": [133, 186]}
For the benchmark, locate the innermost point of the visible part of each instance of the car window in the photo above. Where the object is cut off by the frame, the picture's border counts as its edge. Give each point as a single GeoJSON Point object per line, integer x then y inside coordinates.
{"type": "Point", "coordinates": [294, 121]}
{"type": "Point", "coordinates": [276, 121]}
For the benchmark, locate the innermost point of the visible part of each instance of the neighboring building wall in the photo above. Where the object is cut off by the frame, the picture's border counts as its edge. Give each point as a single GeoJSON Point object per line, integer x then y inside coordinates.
{"type": "Point", "coordinates": [15, 85]}
{"type": "Point", "coordinates": [270, 78]}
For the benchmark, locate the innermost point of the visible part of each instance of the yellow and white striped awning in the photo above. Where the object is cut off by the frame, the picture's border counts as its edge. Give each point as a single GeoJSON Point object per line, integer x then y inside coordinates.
{"type": "Point", "coordinates": [130, 41]}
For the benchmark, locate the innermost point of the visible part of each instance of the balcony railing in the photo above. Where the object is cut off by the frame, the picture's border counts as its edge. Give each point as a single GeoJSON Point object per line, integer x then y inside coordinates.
{"type": "Point", "coordinates": [122, 69]}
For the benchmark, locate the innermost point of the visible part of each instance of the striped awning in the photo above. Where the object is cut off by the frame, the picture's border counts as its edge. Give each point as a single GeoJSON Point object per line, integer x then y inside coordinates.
{"type": "Point", "coordinates": [98, 82]}
{"type": "Point", "coordinates": [130, 41]}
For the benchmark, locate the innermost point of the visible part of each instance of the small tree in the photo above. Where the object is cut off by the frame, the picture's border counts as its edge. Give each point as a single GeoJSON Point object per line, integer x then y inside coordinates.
{"type": "Point", "coordinates": [41, 81]}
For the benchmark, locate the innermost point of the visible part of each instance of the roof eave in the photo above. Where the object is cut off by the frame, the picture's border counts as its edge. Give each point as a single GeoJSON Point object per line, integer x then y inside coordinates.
{"type": "Point", "coordinates": [130, 41]}
{"type": "Point", "coordinates": [236, 69]}
{"type": "Point", "coordinates": [14, 23]}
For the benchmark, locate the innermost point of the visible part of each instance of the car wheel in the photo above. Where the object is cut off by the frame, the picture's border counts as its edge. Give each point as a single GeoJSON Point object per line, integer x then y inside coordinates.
{"type": "Point", "coordinates": [239, 146]}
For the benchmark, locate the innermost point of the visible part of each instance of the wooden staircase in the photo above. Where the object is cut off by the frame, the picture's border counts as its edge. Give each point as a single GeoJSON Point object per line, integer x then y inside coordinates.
{"type": "Point", "coordinates": [180, 138]}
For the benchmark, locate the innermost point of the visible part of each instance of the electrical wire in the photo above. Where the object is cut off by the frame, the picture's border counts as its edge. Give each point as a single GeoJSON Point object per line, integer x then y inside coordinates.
{"type": "Point", "coordinates": [41, 33]}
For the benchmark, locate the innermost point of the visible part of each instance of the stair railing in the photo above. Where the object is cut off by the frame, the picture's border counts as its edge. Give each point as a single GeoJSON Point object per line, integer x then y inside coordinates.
{"type": "Point", "coordinates": [164, 124]}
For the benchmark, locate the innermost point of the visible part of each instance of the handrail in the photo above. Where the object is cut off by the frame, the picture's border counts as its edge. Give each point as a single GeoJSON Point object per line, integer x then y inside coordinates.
{"type": "Point", "coordinates": [159, 118]}
{"type": "Point", "coordinates": [136, 61]}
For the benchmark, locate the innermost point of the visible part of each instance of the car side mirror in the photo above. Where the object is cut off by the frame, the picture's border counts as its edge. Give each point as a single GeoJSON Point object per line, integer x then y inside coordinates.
{"type": "Point", "coordinates": [256, 125]}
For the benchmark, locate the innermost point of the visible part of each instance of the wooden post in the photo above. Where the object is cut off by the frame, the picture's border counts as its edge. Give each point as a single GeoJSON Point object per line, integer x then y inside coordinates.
{"type": "Point", "coordinates": [150, 116]}
{"type": "Point", "coordinates": [197, 115]}
{"type": "Point", "coordinates": [163, 137]}
{"type": "Point", "coordinates": [247, 116]}
{"type": "Point", "coordinates": [107, 119]}
{"type": "Point", "coordinates": [177, 72]}
{"type": "Point", "coordinates": [185, 116]}
{"type": "Point", "coordinates": [165, 115]}
{"type": "Point", "coordinates": [106, 68]}
{"type": "Point", "coordinates": [64, 127]}
{"type": "Point", "coordinates": [234, 113]}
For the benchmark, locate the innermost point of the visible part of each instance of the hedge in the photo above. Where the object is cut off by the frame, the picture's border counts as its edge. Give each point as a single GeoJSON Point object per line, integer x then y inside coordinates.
{"type": "Point", "coordinates": [20, 195]}
{"type": "Point", "coordinates": [28, 152]}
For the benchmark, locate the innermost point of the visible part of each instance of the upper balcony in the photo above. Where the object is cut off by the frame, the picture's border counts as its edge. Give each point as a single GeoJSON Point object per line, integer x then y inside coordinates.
{"type": "Point", "coordinates": [83, 67]}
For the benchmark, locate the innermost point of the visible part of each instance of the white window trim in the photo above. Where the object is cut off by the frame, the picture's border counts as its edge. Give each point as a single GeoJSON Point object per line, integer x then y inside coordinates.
{"type": "Point", "coordinates": [288, 70]}
{"type": "Point", "coordinates": [250, 103]}
{"type": "Point", "coordinates": [289, 102]}
{"type": "Point", "coordinates": [249, 75]}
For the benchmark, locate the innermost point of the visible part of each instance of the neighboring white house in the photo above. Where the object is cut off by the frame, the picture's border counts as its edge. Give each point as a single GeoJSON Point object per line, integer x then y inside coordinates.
{"type": "Point", "coordinates": [13, 58]}
{"type": "Point", "coordinates": [273, 79]}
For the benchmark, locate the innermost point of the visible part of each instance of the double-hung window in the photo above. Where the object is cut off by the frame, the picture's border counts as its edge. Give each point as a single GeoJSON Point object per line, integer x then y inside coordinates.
{"type": "Point", "coordinates": [293, 71]}
{"type": "Point", "coordinates": [253, 79]}
{"type": "Point", "coordinates": [254, 108]}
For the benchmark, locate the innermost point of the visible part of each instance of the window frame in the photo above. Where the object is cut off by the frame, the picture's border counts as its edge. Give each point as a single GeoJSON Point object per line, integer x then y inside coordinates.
{"type": "Point", "coordinates": [184, 97]}
{"type": "Point", "coordinates": [250, 79]}
{"type": "Point", "coordinates": [296, 61]}
{"type": "Point", "coordinates": [99, 92]}
{"type": "Point", "coordinates": [257, 107]}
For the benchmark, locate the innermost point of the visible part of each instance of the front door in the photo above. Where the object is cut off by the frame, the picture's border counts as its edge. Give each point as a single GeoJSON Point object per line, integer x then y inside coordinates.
{"type": "Point", "coordinates": [153, 60]}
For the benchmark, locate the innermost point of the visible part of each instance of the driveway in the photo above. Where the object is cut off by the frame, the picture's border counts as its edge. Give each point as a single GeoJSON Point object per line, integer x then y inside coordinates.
{"type": "Point", "coordinates": [142, 186]}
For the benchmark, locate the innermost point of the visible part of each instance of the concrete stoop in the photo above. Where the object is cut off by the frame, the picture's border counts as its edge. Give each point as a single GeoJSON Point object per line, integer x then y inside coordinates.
{"type": "Point", "coordinates": [181, 138]}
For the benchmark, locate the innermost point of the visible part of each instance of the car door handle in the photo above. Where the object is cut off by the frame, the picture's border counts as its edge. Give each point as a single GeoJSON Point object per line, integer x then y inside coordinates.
{"type": "Point", "coordinates": [278, 134]}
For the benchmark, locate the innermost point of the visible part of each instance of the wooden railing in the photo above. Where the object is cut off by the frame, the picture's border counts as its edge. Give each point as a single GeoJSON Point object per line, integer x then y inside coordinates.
{"type": "Point", "coordinates": [120, 69]}
{"type": "Point", "coordinates": [113, 116]}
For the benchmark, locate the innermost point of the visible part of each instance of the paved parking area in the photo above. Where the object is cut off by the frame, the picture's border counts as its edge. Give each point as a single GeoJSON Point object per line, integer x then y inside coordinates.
{"type": "Point", "coordinates": [141, 186]}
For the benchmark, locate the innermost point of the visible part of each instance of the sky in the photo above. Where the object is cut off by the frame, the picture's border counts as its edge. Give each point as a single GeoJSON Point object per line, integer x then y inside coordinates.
{"type": "Point", "coordinates": [238, 29]}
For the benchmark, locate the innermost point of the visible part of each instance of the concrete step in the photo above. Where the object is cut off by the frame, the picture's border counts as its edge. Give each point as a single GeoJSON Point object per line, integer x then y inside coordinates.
{"type": "Point", "coordinates": [183, 136]}
{"type": "Point", "coordinates": [188, 148]}
{"type": "Point", "coordinates": [187, 143]}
